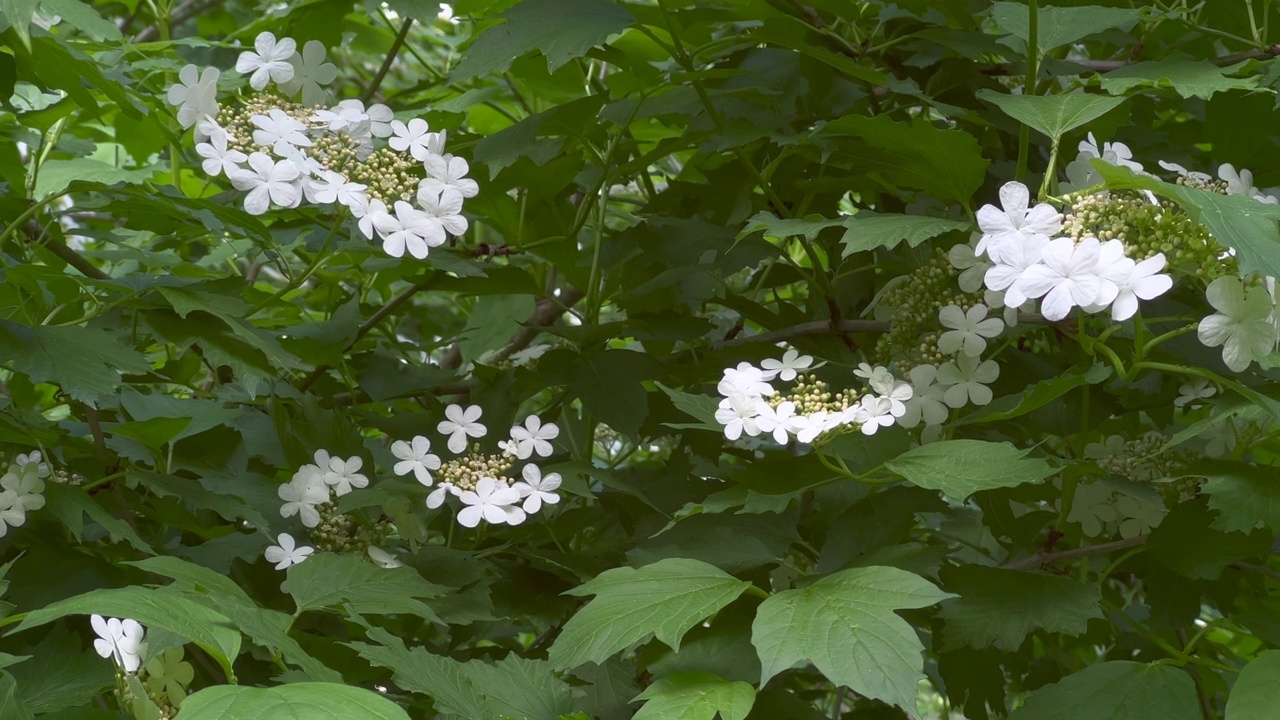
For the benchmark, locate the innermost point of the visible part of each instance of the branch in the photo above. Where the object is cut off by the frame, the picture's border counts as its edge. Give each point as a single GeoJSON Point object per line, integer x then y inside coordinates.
{"type": "Point", "coordinates": [545, 313]}
{"type": "Point", "coordinates": [386, 64]}
{"type": "Point", "coordinates": [1040, 560]}
{"type": "Point", "coordinates": [183, 12]}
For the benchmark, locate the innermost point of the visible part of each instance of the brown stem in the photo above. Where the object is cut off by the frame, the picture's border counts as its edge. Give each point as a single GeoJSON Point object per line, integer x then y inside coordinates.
{"type": "Point", "coordinates": [1044, 559]}
{"type": "Point", "coordinates": [386, 64]}
{"type": "Point", "coordinates": [545, 313]}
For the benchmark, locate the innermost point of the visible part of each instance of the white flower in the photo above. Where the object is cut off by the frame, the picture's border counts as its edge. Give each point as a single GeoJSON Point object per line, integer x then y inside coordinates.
{"type": "Point", "coordinates": [968, 380]}
{"type": "Point", "coordinates": [1241, 183]}
{"type": "Point", "coordinates": [197, 94]}
{"type": "Point", "coordinates": [778, 421]}
{"type": "Point", "coordinates": [745, 379]}
{"type": "Point", "coordinates": [897, 396]}
{"type": "Point", "coordinates": [1016, 224]}
{"type": "Point", "coordinates": [459, 424]}
{"type": "Point", "coordinates": [1199, 177]}
{"type": "Point", "coordinates": [1142, 281]}
{"type": "Point", "coordinates": [972, 268]}
{"type": "Point", "coordinates": [1066, 277]}
{"type": "Point", "coordinates": [270, 63]}
{"type": "Point", "coordinates": [25, 484]}
{"type": "Point", "coordinates": [445, 207]}
{"type": "Point", "coordinates": [382, 558]}
{"type": "Point", "coordinates": [435, 143]}
{"type": "Point", "coordinates": [874, 412]}
{"type": "Point", "coordinates": [287, 553]}
{"type": "Point", "coordinates": [878, 377]}
{"type": "Point", "coordinates": [307, 166]}
{"type": "Point", "coordinates": [809, 427]}
{"type": "Point", "coordinates": [785, 369]}
{"type": "Point", "coordinates": [533, 438]}
{"type": "Point", "coordinates": [447, 171]}
{"type": "Point", "coordinates": [926, 401]}
{"type": "Point", "coordinates": [32, 458]}
{"type": "Point", "coordinates": [218, 158]}
{"type": "Point", "coordinates": [13, 513]}
{"type": "Point", "coordinates": [1242, 325]}
{"type": "Point", "coordinates": [310, 74]}
{"type": "Point", "coordinates": [268, 182]}
{"type": "Point", "coordinates": [330, 187]}
{"type": "Point", "coordinates": [415, 457]}
{"type": "Point", "coordinates": [118, 639]}
{"type": "Point", "coordinates": [1113, 153]}
{"type": "Point", "coordinates": [1220, 437]}
{"type": "Point", "coordinates": [371, 214]}
{"type": "Point", "coordinates": [411, 137]}
{"type": "Point", "coordinates": [380, 117]}
{"type": "Point", "coordinates": [347, 117]}
{"type": "Point", "coordinates": [280, 131]}
{"type": "Point", "coordinates": [1190, 393]}
{"type": "Point", "coordinates": [344, 475]}
{"type": "Point", "coordinates": [302, 494]}
{"type": "Point", "coordinates": [737, 413]}
{"type": "Point", "coordinates": [537, 488]}
{"type": "Point", "coordinates": [491, 501]}
{"type": "Point", "coordinates": [409, 229]}
{"type": "Point", "coordinates": [969, 330]}
{"type": "Point", "coordinates": [1015, 258]}
{"type": "Point", "coordinates": [437, 496]}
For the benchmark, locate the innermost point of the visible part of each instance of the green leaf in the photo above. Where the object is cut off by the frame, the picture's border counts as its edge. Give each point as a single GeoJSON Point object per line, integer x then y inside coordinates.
{"type": "Point", "coordinates": [663, 599]}
{"type": "Point", "coordinates": [702, 407]}
{"type": "Point", "coordinates": [1000, 607]}
{"type": "Point", "coordinates": [18, 13]}
{"type": "Point", "coordinates": [60, 674]}
{"type": "Point", "coordinates": [86, 362]}
{"type": "Point", "coordinates": [1236, 221]}
{"type": "Point", "coordinates": [297, 701]}
{"type": "Point", "coordinates": [610, 385]}
{"type": "Point", "coordinates": [560, 29]}
{"type": "Point", "coordinates": [70, 504]}
{"type": "Point", "coordinates": [1256, 694]}
{"type": "Point", "coordinates": [211, 630]}
{"type": "Point", "coordinates": [1036, 396]}
{"type": "Point", "coordinates": [1243, 495]}
{"type": "Point", "coordinates": [1059, 26]}
{"type": "Point", "coordinates": [1053, 115]}
{"type": "Point", "coordinates": [82, 17]}
{"type": "Point", "coordinates": [1117, 690]}
{"type": "Point", "coordinates": [1186, 542]}
{"type": "Point", "coordinates": [959, 468]}
{"type": "Point", "coordinates": [869, 231]}
{"type": "Point", "coordinates": [1189, 78]}
{"type": "Point", "coordinates": [696, 696]}
{"type": "Point", "coordinates": [846, 626]}
{"type": "Point", "coordinates": [328, 579]}
{"type": "Point", "coordinates": [773, 226]}
{"type": "Point", "coordinates": [11, 708]}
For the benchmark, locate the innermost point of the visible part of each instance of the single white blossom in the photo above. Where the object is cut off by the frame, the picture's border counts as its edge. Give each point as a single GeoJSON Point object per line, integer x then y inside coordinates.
{"type": "Point", "coordinates": [786, 368]}
{"type": "Point", "coordinates": [118, 639]}
{"type": "Point", "coordinates": [1066, 277]}
{"type": "Point", "coordinates": [537, 488]}
{"type": "Point", "coordinates": [491, 501]}
{"type": "Point", "coordinates": [878, 377]}
{"type": "Point", "coordinates": [1241, 183]}
{"type": "Point", "coordinates": [310, 74]}
{"type": "Point", "coordinates": [279, 130]}
{"type": "Point", "coordinates": [1112, 153]}
{"type": "Point", "coordinates": [745, 379]}
{"type": "Point", "coordinates": [968, 331]}
{"type": "Point", "coordinates": [926, 403]}
{"type": "Point", "coordinates": [382, 558]}
{"type": "Point", "coordinates": [737, 413]}
{"type": "Point", "coordinates": [21, 460]}
{"type": "Point", "coordinates": [25, 483]}
{"type": "Point", "coordinates": [874, 412]}
{"type": "Point", "coordinates": [973, 269]}
{"type": "Point", "coordinates": [967, 381]}
{"type": "Point", "coordinates": [268, 182]}
{"type": "Point", "coordinates": [459, 424]}
{"type": "Point", "coordinates": [287, 552]}
{"type": "Point", "coordinates": [1242, 326]}
{"type": "Point", "coordinates": [218, 157]}
{"type": "Point", "coordinates": [534, 438]}
{"type": "Point", "coordinates": [447, 171]}
{"type": "Point", "coordinates": [13, 512]}
{"type": "Point", "coordinates": [443, 490]}
{"type": "Point", "coordinates": [898, 396]}
{"type": "Point", "coordinates": [1016, 224]}
{"type": "Point", "coordinates": [809, 427]}
{"type": "Point", "coordinates": [196, 93]}
{"type": "Point", "coordinates": [1189, 394]}
{"type": "Point", "coordinates": [445, 207]}
{"type": "Point", "coordinates": [302, 494]}
{"type": "Point", "coordinates": [270, 63]}
{"type": "Point", "coordinates": [411, 138]}
{"type": "Point", "coordinates": [415, 457]}
{"type": "Point", "coordinates": [1197, 176]}
{"type": "Point", "coordinates": [1142, 281]}
{"type": "Point", "coordinates": [409, 229]}
{"type": "Point", "coordinates": [344, 475]}
{"type": "Point", "coordinates": [371, 214]}
{"type": "Point", "coordinates": [780, 421]}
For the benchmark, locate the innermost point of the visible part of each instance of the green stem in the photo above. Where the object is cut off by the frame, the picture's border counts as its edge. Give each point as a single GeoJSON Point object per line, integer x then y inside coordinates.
{"type": "Point", "coordinates": [1157, 340]}
{"type": "Point", "coordinates": [1033, 60]}
{"type": "Point", "coordinates": [27, 215]}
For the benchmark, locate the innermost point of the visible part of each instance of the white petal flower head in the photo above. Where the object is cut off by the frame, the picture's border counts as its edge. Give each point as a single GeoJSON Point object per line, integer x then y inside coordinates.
{"type": "Point", "coordinates": [1189, 394]}
{"type": "Point", "coordinates": [780, 421]}
{"type": "Point", "coordinates": [280, 131]}
{"type": "Point", "coordinates": [1238, 183]}
{"type": "Point", "coordinates": [372, 214]}
{"type": "Point", "coordinates": [347, 117]}
{"type": "Point", "coordinates": [809, 427]}
{"type": "Point", "coordinates": [270, 62]}
{"type": "Point", "coordinates": [786, 368]}
{"type": "Point", "coordinates": [898, 396]}
{"type": "Point", "coordinates": [13, 513]}
{"type": "Point", "coordinates": [1015, 258]}
{"type": "Point", "coordinates": [1112, 153]}
{"type": "Point", "coordinates": [967, 379]}
{"type": "Point", "coordinates": [287, 552]}
{"type": "Point", "coordinates": [380, 117]}
{"type": "Point", "coordinates": [969, 330]}
{"type": "Point", "coordinates": [383, 559]}
{"type": "Point", "coordinates": [745, 379]}
{"type": "Point", "coordinates": [534, 438]}
{"type": "Point", "coordinates": [344, 475]}
{"type": "Point", "coordinates": [459, 424]}
{"type": "Point", "coordinates": [738, 413]}
{"type": "Point", "coordinates": [415, 457]}
{"type": "Point", "coordinates": [972, 268]}
{"type": "Point", "coordinates": [268, 182]}
{"type": "Point", "coordinates": [118, 639]}
{"type": "Point", "coordinates": [1017, 223]}
{"type": "Point", "coordinates": [218, 158]}
{"type": "Point", "coordinates": [445, 207]}
{"type": "Point", "coordinates": [25, 483]}
{"type": "Point", "coordinates": [878, 377]}
{"type": "Point", "coordinates": [310, 74]}
{"type": "Point", "coordinates": [1242, 325]}
{"type": "Point", "coordinates": [492, 502]}
{"type": "Point", "coordinates": [538, 488]}
{"type": "Point", "coordinates": [196, 93]}
{"type": "Point", "coordinates": [323, 188]}
{"type": "Point", "coordinates": [1198, 177]}
{"type": "Point", "coordinates": [302, 494]}
{"type": "Point", "coordinates": [442, 491]}
{"type": "Point", "coordinates": [32, 458]}
{"type": "Point", "coordinates": [874, 412]}
{"type": "Point", "coordinates": [1143, 281]}
{"type": "Point", "coordinates": [448, 171]}
{"type": "Point", "coordinates": [409, 229]}
{"type": "Point", "coordinates": [410, 138]}
{"type": "Point", "coordinates": [926, 403]}
{"type": "Point", "coordinates": [1066, 277]}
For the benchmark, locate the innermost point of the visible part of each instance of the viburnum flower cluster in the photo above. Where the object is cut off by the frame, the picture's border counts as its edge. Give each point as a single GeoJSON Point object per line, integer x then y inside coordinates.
{"type": "Point", "coordinates": [309, 495]}
{"type": "Point", "coordinates": [485, 483]}
{"type": "Point", "coordinates": [287, 147]}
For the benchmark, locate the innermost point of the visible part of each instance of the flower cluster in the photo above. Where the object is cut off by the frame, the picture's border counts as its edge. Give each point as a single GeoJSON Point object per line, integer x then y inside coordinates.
{"type": "Point", "coordinates": [483, 482]}
{"type": "Point", "coordinates": [309, 496]}
{"type": "Point", "coordinates": [394, 177]}
{"type": "Point", "coordinates": [23, 484]}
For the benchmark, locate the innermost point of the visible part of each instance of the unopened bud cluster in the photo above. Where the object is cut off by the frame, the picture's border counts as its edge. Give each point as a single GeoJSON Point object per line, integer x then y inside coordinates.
{"type": "Point", "coordinates": [340, 532]}
{"type": "Point", "coordinates": [465, 471]}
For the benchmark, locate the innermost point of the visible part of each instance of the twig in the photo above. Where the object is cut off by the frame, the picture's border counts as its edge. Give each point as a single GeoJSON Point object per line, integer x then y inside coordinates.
{"type": "Point", "coordinates": [179, 14]}
{"type": "Point", "coordinates": [1043, 559]}
{"type": "Point", "coordinates": [386, 64]}
{"type": "Point", "coordinates": [545, 312]}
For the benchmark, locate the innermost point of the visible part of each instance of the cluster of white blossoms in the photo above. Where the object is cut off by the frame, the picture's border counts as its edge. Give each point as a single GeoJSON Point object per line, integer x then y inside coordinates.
{"type": "Point", "coordinates": [310, 489]}
{"type": "Point", "coordinates": [23, 488]}
{"type": "Point", "coordinates": [120, 640]}
{"type": "Point", "coordinates": [752, 406]}
{"type": "Point", "coordinates": [484, 483]}
{"type": "Point", "coordinates": [394, 177]}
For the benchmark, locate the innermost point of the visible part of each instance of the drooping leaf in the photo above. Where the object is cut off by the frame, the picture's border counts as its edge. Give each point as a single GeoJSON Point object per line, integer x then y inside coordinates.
{"type": "Point", "coordinates": [296, 701]}
{"type": "Point", "coordinates": [1001, 607]}
{"type": "Point", "coordinates": [1057, 26]}
{"type": "Point", "coordinates": [1053, 115]}
{"type": "Point", "coordinates": [846, 626]}
{"type": "Point", "coordinates": [1189, 78]}
{"type": "Point", "coordinates": [868, 231]}
{"type": "Point", "coordinates": [327, 579]}
{"type": "Point", "coordinates": [1256, 694]}
{"type": "Point", "coordinates": [560, 29]}
{"type": "Point", "coordinates": [1243, 495]}
{"type": "Point", "coordinates": [87, 363]}
{"type": "Point", "coordinates": [663, 599]}
{"type": "Point", "coordinates": [773, 226]}
{"type": "Point", "coordinates": [696, 696]}
{"type": "Point", "coordinates": [959, 468]}
{"type": "Point", "coordinates": [1186, 542]}
{"type": "Point", "coordinates": [610, 385]}
{"type": "Point", "coordinates": [1116, 690]}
